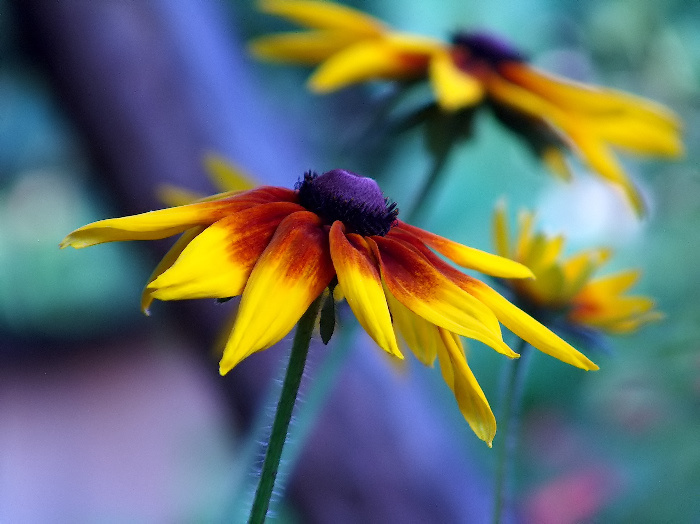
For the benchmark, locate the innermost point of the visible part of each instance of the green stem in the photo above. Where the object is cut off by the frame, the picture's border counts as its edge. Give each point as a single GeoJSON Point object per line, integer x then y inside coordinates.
{"type": "Point", "coordinates": [290, 388]}
{"type": "Point", "coordinates": [426, 191]}
{"type": "Point", "coordinates": [508, 427]}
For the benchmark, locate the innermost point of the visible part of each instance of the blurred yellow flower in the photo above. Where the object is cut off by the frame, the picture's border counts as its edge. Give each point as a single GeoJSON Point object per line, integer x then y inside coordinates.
{"type": "Point", "coordinates": [553, 115]}
{"type": "Point", "coordinates": [567, 286]}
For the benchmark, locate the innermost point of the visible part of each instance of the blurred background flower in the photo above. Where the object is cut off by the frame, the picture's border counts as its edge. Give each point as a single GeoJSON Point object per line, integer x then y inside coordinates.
{"type": "Point", "coordinates": [567, 290]}
{"type": "Point", "coordinates": [553, 115]}
{"type": "Point", "coordinates": [107, 417]}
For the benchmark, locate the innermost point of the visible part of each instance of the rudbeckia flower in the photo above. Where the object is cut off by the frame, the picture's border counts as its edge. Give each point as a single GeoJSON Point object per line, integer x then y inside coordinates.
{"type": "Point", "coordinates": [567, 287]}
{"type": "Point", "coordinates": [280, 249]}
{"type": "Point", "coordinates": [553, 115]}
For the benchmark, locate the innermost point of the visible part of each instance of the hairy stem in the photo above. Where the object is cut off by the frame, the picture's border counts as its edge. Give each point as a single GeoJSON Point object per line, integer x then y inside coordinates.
{"type": "Point", "coordinates": [280, 426]}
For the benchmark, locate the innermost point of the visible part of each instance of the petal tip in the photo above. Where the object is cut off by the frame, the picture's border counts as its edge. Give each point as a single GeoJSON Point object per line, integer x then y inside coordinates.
{"type": "Point", "coordinates": [224, 368]}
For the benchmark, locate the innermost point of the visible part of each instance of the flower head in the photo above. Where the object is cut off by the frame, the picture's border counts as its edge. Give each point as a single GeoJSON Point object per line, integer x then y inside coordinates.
{"type": "Point", "coordinates": [281, 248]}
{"type": "Point", "coordinates": [553, 115]}
{"type": "Point", "coordinates": [567, 286]}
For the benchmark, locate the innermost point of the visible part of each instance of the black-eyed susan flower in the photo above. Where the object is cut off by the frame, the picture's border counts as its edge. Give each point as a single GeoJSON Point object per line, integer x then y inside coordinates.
{"type": "Point", "coordinates": [568, 287]}
{"type": "Point", "coordinates": [280, 249]}
{"type": "Point", "coordinates": [553, 115]}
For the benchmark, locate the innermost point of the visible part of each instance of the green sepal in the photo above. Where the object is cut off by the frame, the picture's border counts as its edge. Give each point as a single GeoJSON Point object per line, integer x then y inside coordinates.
{"type": "Point", "coordinates": [327, 320]}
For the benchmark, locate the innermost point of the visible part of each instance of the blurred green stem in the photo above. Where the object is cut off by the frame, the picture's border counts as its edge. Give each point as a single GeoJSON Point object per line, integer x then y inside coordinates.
{"type": "Point", "coordinates": [437, 170]}
{"type": "Point", "coordinates": [280, 426]}
{"type": "Point", "coordinates": [509, 424]}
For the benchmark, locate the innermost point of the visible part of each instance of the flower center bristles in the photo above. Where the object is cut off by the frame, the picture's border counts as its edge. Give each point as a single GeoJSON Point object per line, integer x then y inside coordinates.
{"type": "Point", "coordinates": [482, 46]}
{"type": "Point", "coordinates": [354, 200]}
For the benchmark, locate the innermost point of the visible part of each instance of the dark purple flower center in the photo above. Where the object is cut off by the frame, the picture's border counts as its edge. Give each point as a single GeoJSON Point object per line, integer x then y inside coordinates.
{"type": "Point", "coordinates": [354, 200]}
{"type": "Point", "coordinates": [486, 47]}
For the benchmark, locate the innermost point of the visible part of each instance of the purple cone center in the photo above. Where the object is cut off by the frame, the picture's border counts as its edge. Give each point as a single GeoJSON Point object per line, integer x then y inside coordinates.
{"type": "Point", "coordinates": [488, 47]}
{"type": "Point", "coordinates": [356, 201]}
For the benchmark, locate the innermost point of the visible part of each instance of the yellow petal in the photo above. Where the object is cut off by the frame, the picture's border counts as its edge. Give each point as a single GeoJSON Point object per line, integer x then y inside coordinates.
{"type": "Point", "coordinates": [429, 294]}
{"type": "Point", "coordinates": [637, 136]}
{"type": "Point", "coordinates": [454, 89]}
{"type": "Point", "coordinates": [611, 285]}
{"type": "Point", "coordinates": [555, 160]}
{"type": "Point", "coordinates": [323, 15]}
{"type": "Point", "coordinates": [501, 236]}
{"type": "Point", "coordinates": [227, 176]}
{"type": "Point", "coordinates": [544, 251]}
{"type": "Point", "coordinates": [171, 221]}
{"type": "Point", "coordinates": [609, 312]}
{"type": "Point", "coordinates": [310, 47]}
{"type": "Point", "coordinates": [630, 325]}
{"type": "Point", "coordinates": [176, 196]}
{"type": "Point", "coordinates": [217, 263]}
{"type": "Point", "coordinates": [419, 335]}
{"type": "Point", "coordinates": [468, 257]}
{"type": "Point", "coordinates": [167, 261]}
{"type": "Point", "coordinates": [470, 398]}
{"type": "Point", "coordinates": [394, 57]}
{"type": "Point", "coordinates": [579, 130]}
{"type": "Point", "coordinates": [359, 278]}
{"type": "Point", "coordinates": [601, 159]}
{"type": "Point", "coordinates": [145, 226]}
{"type": "Point", "coordinates": [290, 274]}
{"type": "Point", "coordinates": [578, 269]}
{"type": "Point", "coordinates": [524, 238]}
{"type": "Point", "coordinates": [530, 329]}
{"type": "Point", "coordinates": [591, 99]}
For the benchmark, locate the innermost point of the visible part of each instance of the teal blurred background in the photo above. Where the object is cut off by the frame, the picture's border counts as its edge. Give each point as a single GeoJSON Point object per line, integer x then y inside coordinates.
{"type": "Point", "coordinates": [86, 380]}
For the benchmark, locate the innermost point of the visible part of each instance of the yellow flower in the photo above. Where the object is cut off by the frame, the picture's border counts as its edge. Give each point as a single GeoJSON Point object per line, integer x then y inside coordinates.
{"type": "Point", "coordinates": [567, 286]}
{"type": "Point", "coordinates": [554, 115]}
{"type": "Point", "coordinates": [281, 248]}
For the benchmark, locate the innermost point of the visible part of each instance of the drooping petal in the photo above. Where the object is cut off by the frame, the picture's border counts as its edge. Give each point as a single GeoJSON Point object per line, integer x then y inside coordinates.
{"type": "Point", "coordinates": [601, 159]}
{"type": "Point", "coordinates": [145, 226]}
{"type": "Point", "coordinates": [641, 138]}
{"type": "Point", "coordinates": [217, 263]}
{"type": "Point", "coordinates": [166, 262]}
{"type": "Point", "coordinates": [577, 128]}
{"type": "Point", "coordinates": [290, 274]}
{"type": "Point", "coordinates": [419, 335]}
{"type": "Point", "coordinates": [454, 88]}
{"type": "Point", "coordinates": [164, 223]}
{"type": "Point", "coordinates": [394, 57]}
{"type": "Point", "coordinates": [310, 47]}
{"type": "Point", "coordinates": [359, 278]}
{"type": "Point", "coordinates": [323, 15]}
{"type": "Point", "coordinates": [527, 327]}
{"type": "Point", "coordinates": [428, 293]}
{"type": "Point", "coordinates": [467, 256]}
{"type": "Point", "coordinates": [586, 98]}
{"type": "Point", "coordinates": [470, 398]}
